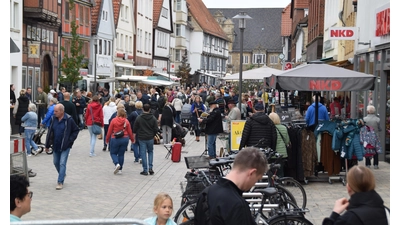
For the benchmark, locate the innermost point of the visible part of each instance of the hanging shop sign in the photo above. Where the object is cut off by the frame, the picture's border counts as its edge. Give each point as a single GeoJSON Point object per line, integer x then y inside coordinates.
{"type": "Point", "coordinates": [342, 33]}
{"type": "Point", "coordinates": [383, 23]}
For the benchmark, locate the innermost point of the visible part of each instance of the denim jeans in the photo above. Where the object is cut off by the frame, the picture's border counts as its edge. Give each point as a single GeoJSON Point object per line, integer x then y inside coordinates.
{"type": "Point", "coordinates": [117, 150]}
{"type": "Point", "coordinates": [178, 117]}
{"type": "Point", "coordinates": [60, 162]}
{"type": "Point", "coordinates": [146, 147]}
{"type": "Point", "coordinates": [41, 114]}
{"type": "Point", "coordinates": [135, 149]}
{"type": "Point", "coordinates": [166, 134]}
{"type": "Point", "coordinates": [93, 138]}
{"type": "Point", "coordinates": [105, 134]}
{"type": "Point", "coordinates": [81, 124]}
{"type": "Point", "coordinates": [29, 141]}
{"type": "Point", "coordinates": [211, 145]}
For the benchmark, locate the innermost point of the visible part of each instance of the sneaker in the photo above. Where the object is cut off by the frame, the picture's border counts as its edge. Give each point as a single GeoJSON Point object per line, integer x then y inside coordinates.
{"type": "Point", "coordinates": [376, 167]}
{"type": "Point", "coordinates": [29, 155]}
{"type": "Point", "coordinates": [34, 152]}
{"type": "Point", "coordinates": [151, 171]}
{"type": "Point", "coordinates": [59, 186]}
{"type": "Point", "coordinates": [119, 172]}
{"type": "Point", "coordinates": [136, 161]}
{"type": "Point", "coordinates": [144, 173]}
{"type": "Point", "coordinates": [92, 155]}
{"type": "Point", "coordinates": [140, 161]}
{"type": "Point", "coordinates": [117, 168]}
{"type": "Point", "coordinates": [369, 167]}
{"type": "Point", "coordinates": [105, 148]}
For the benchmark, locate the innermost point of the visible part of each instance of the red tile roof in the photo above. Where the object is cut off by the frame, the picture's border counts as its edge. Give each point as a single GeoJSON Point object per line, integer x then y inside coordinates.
{"type": "Point", "coordinates": [96, 13]}
{"type": "Point", "coordinates": [157, 6]}
{"type": "Point", "coordinates": [205, 19]}
{"type": "Point", "coordinates": [286, 24]}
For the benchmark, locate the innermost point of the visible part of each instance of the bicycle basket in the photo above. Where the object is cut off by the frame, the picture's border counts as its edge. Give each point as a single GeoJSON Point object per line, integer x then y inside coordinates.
{"type": "Point", "coordinates": [195, 162]}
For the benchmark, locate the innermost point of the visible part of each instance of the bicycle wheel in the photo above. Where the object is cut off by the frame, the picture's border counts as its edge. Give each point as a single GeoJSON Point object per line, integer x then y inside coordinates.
{"type": "Point", "coordinates": [295, 188]}
{"type": "Point", "coordinates": [185, 213]}
{"type": "Point", "coordinates": [288, 220]}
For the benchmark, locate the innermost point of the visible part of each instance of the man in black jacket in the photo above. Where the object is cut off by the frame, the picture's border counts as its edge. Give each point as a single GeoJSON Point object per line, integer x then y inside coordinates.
{"type": "Point", "coordinates": [213, 128]}
{"type": "Point", "coordinates": [257, 127]}
{"type": "Point", "coordinates": [69, 107]}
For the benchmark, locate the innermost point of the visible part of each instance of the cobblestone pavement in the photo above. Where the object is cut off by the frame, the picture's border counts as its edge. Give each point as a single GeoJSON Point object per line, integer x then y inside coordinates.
{"type": "Point", "coordinates": [91, 190]}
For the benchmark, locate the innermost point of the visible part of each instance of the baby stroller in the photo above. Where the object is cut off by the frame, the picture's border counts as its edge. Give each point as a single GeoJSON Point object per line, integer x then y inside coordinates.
{"type": "Point", "coordinates": [37, 138]}
{"type": "Point", "coordinates": [179, 133]}
{"type": "Point", "coordinates": [186, 116]}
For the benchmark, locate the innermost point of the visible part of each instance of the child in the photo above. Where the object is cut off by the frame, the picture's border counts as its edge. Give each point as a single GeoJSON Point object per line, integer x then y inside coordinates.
{"type": "Point", "coordinates": [163, 207]}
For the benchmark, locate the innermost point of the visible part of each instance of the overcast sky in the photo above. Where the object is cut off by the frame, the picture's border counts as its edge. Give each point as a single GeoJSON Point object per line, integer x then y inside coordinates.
{"type": "Point", "coordinates": [246, 3]}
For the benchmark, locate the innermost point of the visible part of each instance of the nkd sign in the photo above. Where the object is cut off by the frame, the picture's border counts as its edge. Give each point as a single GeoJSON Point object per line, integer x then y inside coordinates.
{"type": "Point", "coordinates": [325, 85]}
{"type": "Point", "coordinates": [342, 33]}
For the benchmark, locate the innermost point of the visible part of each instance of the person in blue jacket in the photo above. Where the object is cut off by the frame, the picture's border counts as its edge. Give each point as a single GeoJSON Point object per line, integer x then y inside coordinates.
{"type": "Point", "coordinates": [163, 206]}
{"type": "Point", "coordinates": [310, 114]}
{"type": "Point", "coordinates": [47, 118]}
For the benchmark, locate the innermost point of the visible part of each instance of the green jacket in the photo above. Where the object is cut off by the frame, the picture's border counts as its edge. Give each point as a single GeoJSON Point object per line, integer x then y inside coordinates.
{"type": "Point", "coordinates": [281, 143]}
{"type": "Point", "coordinates": [43, 98]}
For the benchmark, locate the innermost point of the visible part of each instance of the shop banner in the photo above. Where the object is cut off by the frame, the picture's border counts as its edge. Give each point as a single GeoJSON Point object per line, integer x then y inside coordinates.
{"type": "Point", "coordinates": [237, 127]}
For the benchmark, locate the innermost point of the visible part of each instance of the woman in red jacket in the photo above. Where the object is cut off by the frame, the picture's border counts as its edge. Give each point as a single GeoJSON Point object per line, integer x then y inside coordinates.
{"type": "Point", "coordinates": [94, 113]}
{"type": "Point", "coordinates": [118, 145]}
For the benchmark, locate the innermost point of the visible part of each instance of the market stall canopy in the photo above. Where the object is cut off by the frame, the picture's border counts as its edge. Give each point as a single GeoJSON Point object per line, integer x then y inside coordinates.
{"type": "Point", "coordinates": [254, 74]}
{"type": "Point", "coordinates": [157, 82]}
{"type": "Point", "coordinates": [174, 78]}
{"type": "Point", "coordinates": [131, 78]}
{"type": "Point", "coordinates": [322, 77]}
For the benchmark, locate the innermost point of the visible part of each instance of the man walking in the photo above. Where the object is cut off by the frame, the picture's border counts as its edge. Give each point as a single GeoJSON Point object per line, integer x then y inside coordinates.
{"type": "Point", "coordinates": [80, 104]}
{"type": "Point", "coordinates": [257, 127]}
{"type": "Point", "coordinates": [144, 130]}
{"type": "Point", "coordinates": [213, 128]}
{"type": "Point", "coordinates": [61, 135]}
{"type": "Point", "coordinates": [70, 107]}
{"type": "Point", "coordinates": [41, 100]}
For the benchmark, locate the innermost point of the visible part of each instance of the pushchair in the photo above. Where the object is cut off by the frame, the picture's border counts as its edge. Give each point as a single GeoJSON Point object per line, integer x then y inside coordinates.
{"type": "Point", "coordinates": [186, 116]}
{"type": "Point", "coordinates": [37, 138]}
{"type": "Point", "coordinates": [179, 133]}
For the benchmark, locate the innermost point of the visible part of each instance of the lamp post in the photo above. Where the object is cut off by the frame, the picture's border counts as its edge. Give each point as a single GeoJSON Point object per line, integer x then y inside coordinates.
{"type": "Point", "coordinates": [242, 16]}
{"type": "Point", "coordinates": [168, 62]}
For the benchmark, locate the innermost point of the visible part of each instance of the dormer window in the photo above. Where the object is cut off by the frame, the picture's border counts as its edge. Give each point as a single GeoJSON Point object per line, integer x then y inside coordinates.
{"type": "Point", "coordinates": [104, 15]}
{"type": "Point", "coordinates": [164, 12]}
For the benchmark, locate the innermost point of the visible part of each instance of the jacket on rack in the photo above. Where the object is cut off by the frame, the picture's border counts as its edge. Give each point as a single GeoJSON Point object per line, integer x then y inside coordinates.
{"type": "Point", "coordinates": [309, 152]}
{"type": "Point", "coordinates": [351, 144]}
{"type": "Point", "coordinates": [295, 161]}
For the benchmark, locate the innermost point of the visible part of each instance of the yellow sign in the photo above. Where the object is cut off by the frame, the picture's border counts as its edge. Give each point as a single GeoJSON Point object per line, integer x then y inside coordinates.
{"type": "Point", "coordinates": [236, 133]}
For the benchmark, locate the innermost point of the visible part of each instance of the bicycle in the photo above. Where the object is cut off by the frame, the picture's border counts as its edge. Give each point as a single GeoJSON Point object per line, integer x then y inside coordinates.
{"type": "Point", "coordinates": [292, 216]}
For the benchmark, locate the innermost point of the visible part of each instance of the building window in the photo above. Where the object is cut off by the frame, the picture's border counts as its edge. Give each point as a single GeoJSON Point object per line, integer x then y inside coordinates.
{"type": "Point", "coordinates": [178, 55]}
{"type": "Point", "coordinates": [245, 59]}
{"type": "Point", "coordinates": [100, 50]}
{"type": "Point", "coordinates": [122, 12]}
{"type": "Point", "coordinates": [104, 15]}
{"type": "Point", "coordinates": [66, 13]}
{"type": "Point", "coordinates": [14, 14]}
{"type": "Point", "coordinates": [51, 37]}
{"type": "Point", "coordinates": [178, 30]}
{"type": "Point", "coordinates": [30, 77]}
{"type": "Point", "coordinates": [37, 77]}
{"type": "Point", "coordinates": [130, 44]}
{"type": "Point", "coordinates": [24, 77]}
{"type": "Point", "coordinates": [126, 12]}
{"type": "Point", "coordinates": [81, 18]}
{"type": "Point", "coordinates": [38, 34]}
{"type": "Point", "coordinates": [145, 42]}
{"type": "Point", "coordinates": [258, 58]}
{"type": "Point", "coordinates": [273, 59]}
{"type": "Point", "coordinates": [164, 12]}
{"type": "Point", "coordinates": [229, 59]}
{"type": "Point", "coordinates": [34, 33]}
{"type": "Point", "coordinates": [178, 5]}
{"type": "Point", "coordinates": [150, 45]}
{"type": "Point", "coordinates": [48, 36]}
{"type": "Point", "coordinates": [28, 32]}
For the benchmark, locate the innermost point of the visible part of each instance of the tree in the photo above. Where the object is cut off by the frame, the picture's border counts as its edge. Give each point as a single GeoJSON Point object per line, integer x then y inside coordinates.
{"type": "Point", "coordinates": [184, 69]}
{"type": "Point", "coordinates": [73, 59]}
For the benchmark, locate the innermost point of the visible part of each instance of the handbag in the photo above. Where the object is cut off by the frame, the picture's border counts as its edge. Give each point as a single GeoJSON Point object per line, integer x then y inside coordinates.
{"type": "Point", "coordinates": [96, 129]}
{"type": "Point", "coordinates": [120, 134]}
{"type": "Point", "coordinates": [288, 146]}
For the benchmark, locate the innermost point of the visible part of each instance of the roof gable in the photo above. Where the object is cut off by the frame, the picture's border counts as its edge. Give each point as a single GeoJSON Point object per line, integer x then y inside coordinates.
{"type": "Point", "coordinates": [205, 19]}
{"type": "Point", "coordinates": [157, 6]}
{"type": "Point", "coordinates": [96, 13]}
{"type": "Point", "coordinates": [286, 27]}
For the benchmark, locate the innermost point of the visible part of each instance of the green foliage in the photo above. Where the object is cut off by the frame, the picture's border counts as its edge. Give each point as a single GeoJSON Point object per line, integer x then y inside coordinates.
{"type": "Point", "coordinates": [71, 63]}
{"type": "Point", "coordinates": [184, 69]}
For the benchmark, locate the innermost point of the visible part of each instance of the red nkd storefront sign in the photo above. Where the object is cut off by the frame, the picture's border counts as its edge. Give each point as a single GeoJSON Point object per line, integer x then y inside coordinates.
{"type": "Point", "coordinates": [383, 23]}
{"type": "Point", "coordinates": [325, 85]}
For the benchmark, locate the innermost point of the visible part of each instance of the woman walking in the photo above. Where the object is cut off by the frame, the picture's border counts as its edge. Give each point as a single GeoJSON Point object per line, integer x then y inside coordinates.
{"type": "Point", "coordinates": [94, 114]}
{"type": "Point", "coordinates": [108, 109]}
{"type": "Point", "coordinates": [132, 118]}
{"type": "Point", "coordinates": [20, 109]}
{"type": "Point", "coordinates": [166, 122]}
{"type": "Point", "coordinates": [119, 144]}
{"type": "Point", "coordinates": [177, 104]}
{"type": "Point", "coordinates": [282, 140]}
{"type": "Point", "coordinates": [197, 109]}
{"type": "Point", "coordinates": [30, 120]}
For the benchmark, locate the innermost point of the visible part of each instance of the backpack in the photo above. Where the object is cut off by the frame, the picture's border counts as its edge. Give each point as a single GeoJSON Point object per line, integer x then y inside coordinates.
{"type": "Point", "coordinates": [202, 212]}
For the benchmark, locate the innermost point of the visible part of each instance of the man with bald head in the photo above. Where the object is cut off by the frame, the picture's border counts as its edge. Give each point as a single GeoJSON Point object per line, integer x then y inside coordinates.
{"type": "Point", "coordinates": [61, 135]}
{"type": "Point", "coordinates": [69, 107]}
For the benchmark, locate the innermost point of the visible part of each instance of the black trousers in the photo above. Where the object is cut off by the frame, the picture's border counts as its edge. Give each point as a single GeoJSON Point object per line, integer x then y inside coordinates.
{"type": "Point", "coordinates": [368, 160]}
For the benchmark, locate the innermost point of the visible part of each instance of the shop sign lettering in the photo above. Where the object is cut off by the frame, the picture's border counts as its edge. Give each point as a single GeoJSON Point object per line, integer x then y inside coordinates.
{"type": "Point", "coordinates": [342, 33]}
{"type": "Point", "coordinates": [383, 23]}
{"type": "Point", "coordinates": [328, 85]}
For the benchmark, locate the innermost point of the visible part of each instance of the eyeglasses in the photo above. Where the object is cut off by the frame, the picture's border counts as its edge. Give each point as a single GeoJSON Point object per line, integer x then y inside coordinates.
{"type": "Point", "coordinates": [30, 194]}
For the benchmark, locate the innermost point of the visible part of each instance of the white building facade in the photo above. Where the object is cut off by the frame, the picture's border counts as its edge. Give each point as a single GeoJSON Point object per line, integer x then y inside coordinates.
{"type": "Point", "coordinates": [16, 76]}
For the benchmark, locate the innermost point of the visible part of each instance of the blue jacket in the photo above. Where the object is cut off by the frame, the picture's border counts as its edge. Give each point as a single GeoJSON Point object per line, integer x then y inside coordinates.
{"type": "Point", "coordinates": [153, 221]}
{"type": "Point", "coordinates": [71, 131]}
{"type": "Point", "coordinates": [30, 120]}
{"type": "Point", "coordinates": [310, 114]}
{"type": "Point", "coordinates": [48, 116]}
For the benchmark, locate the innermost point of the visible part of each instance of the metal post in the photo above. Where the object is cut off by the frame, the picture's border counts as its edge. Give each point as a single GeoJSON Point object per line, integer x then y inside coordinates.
{"type": "Point", "coordinates": [241, 69]}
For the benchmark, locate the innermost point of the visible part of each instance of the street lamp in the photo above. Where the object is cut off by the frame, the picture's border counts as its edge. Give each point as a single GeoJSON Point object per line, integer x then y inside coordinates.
{"type": "Point", "coordinates": [242, 16]}
{"type": "Point", "coordinates": [168, 62]}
